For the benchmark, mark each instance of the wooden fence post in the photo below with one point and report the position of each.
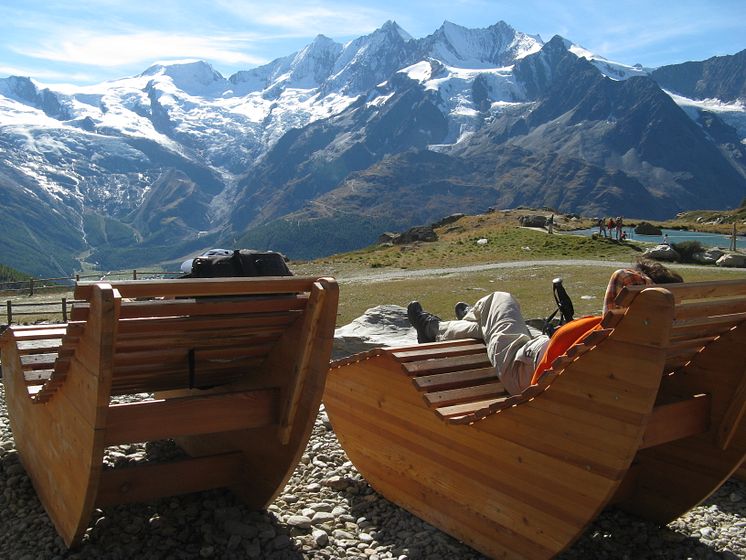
(134, 274)
(31, 287)
(64, 310)
(9, 312)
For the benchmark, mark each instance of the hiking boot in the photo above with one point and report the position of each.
(461, 310)
(426, 324)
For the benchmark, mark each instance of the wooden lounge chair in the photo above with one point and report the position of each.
(646, 413)
(238, 378)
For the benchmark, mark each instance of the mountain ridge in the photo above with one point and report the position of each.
(179, 157)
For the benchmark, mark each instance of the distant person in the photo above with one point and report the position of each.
(550, 224)
(619, 228)
(665, 239)
(610, 226)
(602, 227)
(519, 358)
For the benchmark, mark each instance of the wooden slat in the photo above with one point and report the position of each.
(220, 351)
(231, 339)
(148, 482)
(441, 365)
(689, 290)
(455, 379)
(468, 408)
(307, 336)
(726, 306)
(207, 324)
(195, 287)
(432, 353)
(465, 394)
(717, 326)
(37, 377)
(160, 419)
(210, 306)
(38, 361)
(37, 333)
(677, 420)
(51, 346)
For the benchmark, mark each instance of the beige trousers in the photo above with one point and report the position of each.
(496, 319)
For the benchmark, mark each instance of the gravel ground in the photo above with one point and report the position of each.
(326, 511)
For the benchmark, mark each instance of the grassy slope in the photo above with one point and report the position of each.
(457, 246)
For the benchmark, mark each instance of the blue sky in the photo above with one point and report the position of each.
(90, 41)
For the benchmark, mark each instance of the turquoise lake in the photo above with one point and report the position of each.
(676, 236)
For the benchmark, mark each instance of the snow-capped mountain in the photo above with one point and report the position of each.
(152, 167)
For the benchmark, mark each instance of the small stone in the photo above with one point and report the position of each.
(336, 483)
(322, 517)
(341, 535)
(300, 521)
(320, 537)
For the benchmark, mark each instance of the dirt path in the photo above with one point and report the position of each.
(384, 276)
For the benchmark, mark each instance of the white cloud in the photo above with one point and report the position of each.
(112, 50)
(308, 18)
(46, 74)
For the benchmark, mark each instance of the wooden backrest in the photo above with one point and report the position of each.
(703, 311)
(190, 333)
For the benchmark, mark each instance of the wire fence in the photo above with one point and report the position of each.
(35, 285)
(18, 308)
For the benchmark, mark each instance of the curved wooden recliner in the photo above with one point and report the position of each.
(647, 413)
(238, 376)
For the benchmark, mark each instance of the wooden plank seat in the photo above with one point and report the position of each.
(647, 412)
(237, 365)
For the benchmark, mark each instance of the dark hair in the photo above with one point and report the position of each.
(657, 272)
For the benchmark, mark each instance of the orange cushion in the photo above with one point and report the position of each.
(564, 337)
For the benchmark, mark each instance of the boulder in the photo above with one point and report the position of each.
(533, 221)
(387, 237)
(732, 260)
(710, 256)
(383, 325)
(646, 228)
(417, 233)
(448, 220)
(661, 253)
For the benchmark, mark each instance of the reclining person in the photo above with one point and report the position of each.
(496, 319)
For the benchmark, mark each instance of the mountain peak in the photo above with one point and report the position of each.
(497, 45)
(313, 63)
(187, 75)
(392, 27)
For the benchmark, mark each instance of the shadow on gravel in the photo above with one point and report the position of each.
(204, 525)
(613, 535)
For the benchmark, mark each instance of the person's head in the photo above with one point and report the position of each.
(657, 272)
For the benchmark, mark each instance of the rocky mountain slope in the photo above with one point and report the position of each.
(320, 151)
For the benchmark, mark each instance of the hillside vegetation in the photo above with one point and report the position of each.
(438, 274)
(8, 274)
(366, 280)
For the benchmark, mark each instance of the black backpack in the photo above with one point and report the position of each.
(243, 262)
